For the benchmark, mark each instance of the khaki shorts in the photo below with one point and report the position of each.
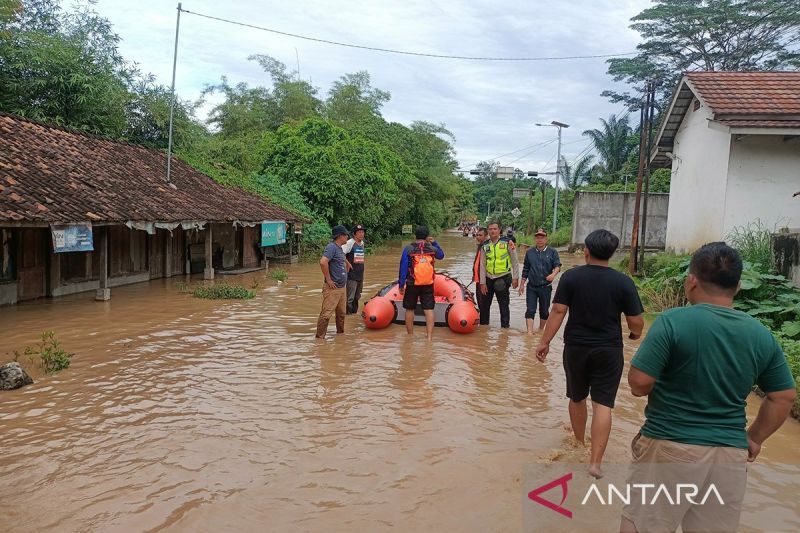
(694, 478)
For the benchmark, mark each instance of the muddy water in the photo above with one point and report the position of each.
(187, 415)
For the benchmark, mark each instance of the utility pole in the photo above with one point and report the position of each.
(558, 175)
(644, 127)
(647, 173)
(172, 102)
(558, 125)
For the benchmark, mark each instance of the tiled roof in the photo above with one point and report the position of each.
(736, 99)
(749, 93)
(755, 123)
(53, 175)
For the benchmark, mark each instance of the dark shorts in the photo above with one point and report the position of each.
(538, 297)
(593, 370)
(423, 293)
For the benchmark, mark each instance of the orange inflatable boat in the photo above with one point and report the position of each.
(455, 307)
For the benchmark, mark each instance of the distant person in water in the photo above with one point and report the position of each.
(697, 366)
(595, 296)
(539, 269)
(355, 251)
(417, 272)
(510, 235)
(480, 238)
(334, 294)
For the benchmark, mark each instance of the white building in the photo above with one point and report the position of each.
(732, 140)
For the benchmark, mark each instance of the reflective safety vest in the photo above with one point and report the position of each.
(498, 257)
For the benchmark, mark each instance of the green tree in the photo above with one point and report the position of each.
(147, 117)
(63, 68)
(345, 178)
(580, 172)
(352, 101)
(296, 99)
(244, 111)
(708, 35)
(611, 143)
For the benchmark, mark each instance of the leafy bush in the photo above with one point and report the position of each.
(663, 289)
(278, 274)
(223, 291)
(770, 298)
(51, 356)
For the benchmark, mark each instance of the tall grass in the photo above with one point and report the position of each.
(753, 241)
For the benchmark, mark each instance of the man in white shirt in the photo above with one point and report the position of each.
(354, 250)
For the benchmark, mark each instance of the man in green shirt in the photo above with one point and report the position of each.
(697, 366)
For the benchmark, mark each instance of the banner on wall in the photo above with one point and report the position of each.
(72, 237)
(273, 233)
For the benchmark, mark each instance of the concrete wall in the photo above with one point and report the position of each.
(786, 250)
(614, 211)
(86, 286)
(8, 293)
(698, 184)
(763, 174)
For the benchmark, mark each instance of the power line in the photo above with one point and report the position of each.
(533, 151)
(404, 52)
(495, 158)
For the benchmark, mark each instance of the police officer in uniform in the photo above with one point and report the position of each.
(499, 272)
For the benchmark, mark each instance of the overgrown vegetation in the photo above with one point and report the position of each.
(278, 274)
(754, 243)
(765, 295)
(48, 354)
(223, 291)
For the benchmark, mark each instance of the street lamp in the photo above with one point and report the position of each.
(559, 125)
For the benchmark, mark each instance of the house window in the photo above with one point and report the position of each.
(696, 105)
(7, 270)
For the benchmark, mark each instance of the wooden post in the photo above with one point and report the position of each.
(168, 259)
(208, 273)
(644, 125)
(647, 174)
(103, 292)
(187, 250)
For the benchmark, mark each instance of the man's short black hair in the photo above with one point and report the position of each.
(601, 244)
(483, 229)
(422, 232)
(717, 264)
(493, 223)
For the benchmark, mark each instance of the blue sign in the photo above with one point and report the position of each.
(273, 233)
(72, 238)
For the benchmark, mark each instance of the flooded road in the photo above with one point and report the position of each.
(183, 414)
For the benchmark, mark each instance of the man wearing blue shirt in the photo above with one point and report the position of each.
(334, 294)
(540, 268)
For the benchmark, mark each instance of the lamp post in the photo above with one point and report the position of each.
(558, 125)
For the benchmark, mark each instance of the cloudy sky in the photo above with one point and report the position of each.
(491, 107)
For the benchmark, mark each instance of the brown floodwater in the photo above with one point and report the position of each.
(183, 414)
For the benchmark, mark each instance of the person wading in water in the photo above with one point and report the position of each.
(499, 271)
(417, 273)
(595, 296)
(354, 250)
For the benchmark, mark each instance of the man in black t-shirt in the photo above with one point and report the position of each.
(595, 296)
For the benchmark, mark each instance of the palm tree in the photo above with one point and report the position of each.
(578, 173)
(611, 143)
